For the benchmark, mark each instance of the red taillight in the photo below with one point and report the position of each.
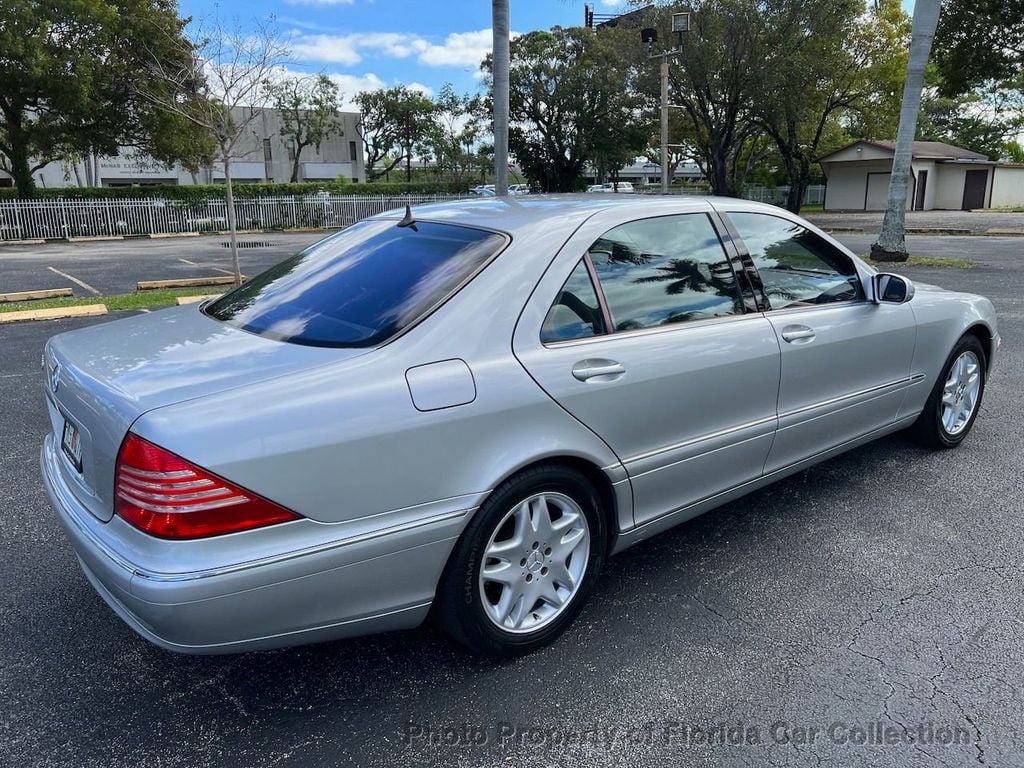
(164, 495)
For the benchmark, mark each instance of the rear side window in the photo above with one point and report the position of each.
(665, 270)
(360, 287)
(576, 312)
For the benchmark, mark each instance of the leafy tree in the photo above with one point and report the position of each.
(453, 133)
(983, 120)
(886, 37)
(812, 74)
(568, 99)
(308, 108)
(979, 41)
(393, 122)
(713, 77)
(66, 74)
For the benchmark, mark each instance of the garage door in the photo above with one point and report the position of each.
(878, 191)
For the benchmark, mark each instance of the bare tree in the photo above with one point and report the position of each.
(891, 244)
(225, 86)
(500, 55)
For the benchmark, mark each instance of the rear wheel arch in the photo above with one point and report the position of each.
(596, 476)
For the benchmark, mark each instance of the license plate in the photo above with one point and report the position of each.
(71, 444)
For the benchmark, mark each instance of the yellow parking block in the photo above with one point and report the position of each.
(187, 282)
(48, 293)
(86, 310)
(193, 299)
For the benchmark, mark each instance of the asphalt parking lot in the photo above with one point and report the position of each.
(880, 590)
(115, 266)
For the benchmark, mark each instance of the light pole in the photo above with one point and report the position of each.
(649, 36)
(500, 63)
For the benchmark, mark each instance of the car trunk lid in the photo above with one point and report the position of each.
(99, 380)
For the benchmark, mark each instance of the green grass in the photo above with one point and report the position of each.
(919, 260)
(816, 208)
(137, 300)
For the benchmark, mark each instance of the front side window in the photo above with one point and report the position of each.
(361, 286)
(797, 267)
(664, 270)
(576, 312)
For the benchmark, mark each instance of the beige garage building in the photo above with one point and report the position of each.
(944, 177)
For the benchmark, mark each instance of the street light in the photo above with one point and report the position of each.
(649, 36)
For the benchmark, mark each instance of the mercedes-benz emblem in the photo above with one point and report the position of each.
(55, 378)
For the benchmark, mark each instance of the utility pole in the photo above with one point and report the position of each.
(664, 123)
(649, 36)
(500, 60)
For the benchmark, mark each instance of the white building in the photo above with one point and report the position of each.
(943, 177)
(265, 155)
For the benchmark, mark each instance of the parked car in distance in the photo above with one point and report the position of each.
(517, 190)
(460, 414)
(623, 187)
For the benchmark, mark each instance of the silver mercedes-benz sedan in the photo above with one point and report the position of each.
(460, 411)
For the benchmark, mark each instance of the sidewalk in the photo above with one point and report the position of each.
(926, 222)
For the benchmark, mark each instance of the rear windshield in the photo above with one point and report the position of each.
(361, 286)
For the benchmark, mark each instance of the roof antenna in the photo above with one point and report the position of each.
(408, 221)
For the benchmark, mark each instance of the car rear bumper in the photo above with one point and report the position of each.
(353, 587)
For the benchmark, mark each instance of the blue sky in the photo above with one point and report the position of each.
(365, 44)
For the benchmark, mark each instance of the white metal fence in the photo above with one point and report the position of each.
(62, 218)
(814, 195)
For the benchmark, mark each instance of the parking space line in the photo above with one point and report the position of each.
(75, 280)
(207, 266)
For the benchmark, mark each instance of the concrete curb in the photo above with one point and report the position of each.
(95, 238)
(34, 241)
(86, 310)
(182, 300)
(46, 293)
(165, 235)
(1010, 231)
(185, 282)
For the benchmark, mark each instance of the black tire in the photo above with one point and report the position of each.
(928, 430)
(459, 609)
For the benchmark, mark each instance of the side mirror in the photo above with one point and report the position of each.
(891, 289)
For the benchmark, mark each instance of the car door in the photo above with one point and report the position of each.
(638, 329)
(845, 360)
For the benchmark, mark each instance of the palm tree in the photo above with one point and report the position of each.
(500, 55)
(891, 245)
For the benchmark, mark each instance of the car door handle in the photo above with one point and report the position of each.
(603, 370)
(798, 333)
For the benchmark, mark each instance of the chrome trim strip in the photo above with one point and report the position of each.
(768, 419)
(766, 479)
(852, 395)
(656, 329)
(700, 439)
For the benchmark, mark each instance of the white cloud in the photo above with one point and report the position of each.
(336, 49)
(611, 3)
(459, 49)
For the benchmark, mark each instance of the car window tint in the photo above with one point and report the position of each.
(576, 312)
(664, 270)
(797, 267)
(361, 286)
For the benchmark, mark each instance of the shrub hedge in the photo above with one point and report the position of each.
(198, 193)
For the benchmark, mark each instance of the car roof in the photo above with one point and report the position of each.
(514, 214)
